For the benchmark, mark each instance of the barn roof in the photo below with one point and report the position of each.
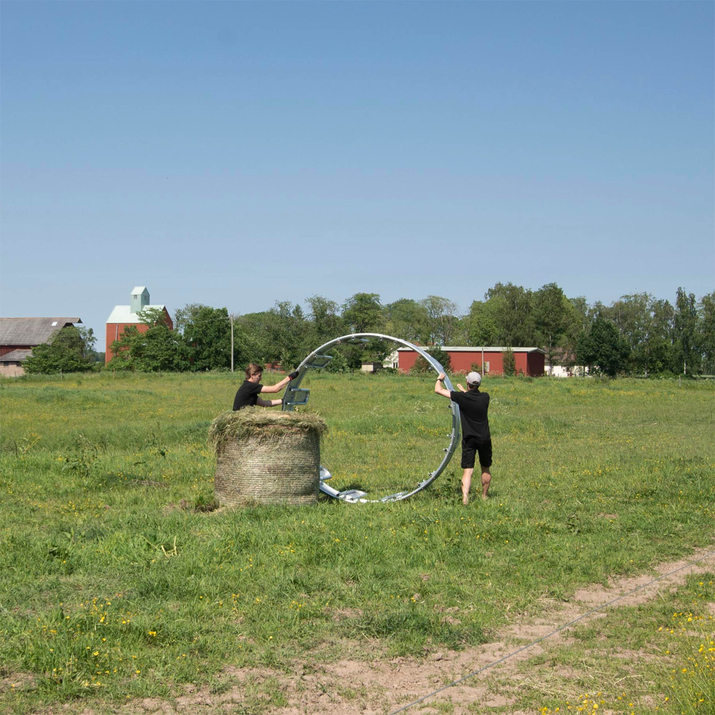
(123, 314)
(31, 331)
(16, 356)
(492, 349)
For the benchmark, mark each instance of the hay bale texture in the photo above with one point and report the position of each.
(266, 457)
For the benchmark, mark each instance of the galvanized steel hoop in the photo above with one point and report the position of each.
(295, 396)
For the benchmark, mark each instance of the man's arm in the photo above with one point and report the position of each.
(439, 388)
(269, 403)
(279, 385)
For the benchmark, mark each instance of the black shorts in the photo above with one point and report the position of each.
(470, 447)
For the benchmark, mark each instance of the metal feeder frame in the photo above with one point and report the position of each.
(296, 396)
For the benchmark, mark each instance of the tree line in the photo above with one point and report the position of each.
(636, 335)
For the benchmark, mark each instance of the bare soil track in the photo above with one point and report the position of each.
(381, 687)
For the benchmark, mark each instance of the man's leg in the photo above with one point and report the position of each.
(486, 481)
(466, 484)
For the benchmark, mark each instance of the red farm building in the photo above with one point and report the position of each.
(124, 315)
(490, 361)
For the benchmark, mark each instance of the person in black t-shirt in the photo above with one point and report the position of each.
(248, 393)
(476, 439)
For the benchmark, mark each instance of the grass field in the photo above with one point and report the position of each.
(117, 581)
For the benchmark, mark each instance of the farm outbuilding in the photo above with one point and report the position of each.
(488, 360)
(125, 315)
(19, 335)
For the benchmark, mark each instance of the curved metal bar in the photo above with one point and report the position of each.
(295, 396)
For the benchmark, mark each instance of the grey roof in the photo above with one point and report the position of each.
(31, 331)
(123, 314)
(491, 349)
(16, 356)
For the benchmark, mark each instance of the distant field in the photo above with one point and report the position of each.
(115, 583)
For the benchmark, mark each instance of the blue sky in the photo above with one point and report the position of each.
(242, 153)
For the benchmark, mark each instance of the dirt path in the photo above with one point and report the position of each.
(357, 688)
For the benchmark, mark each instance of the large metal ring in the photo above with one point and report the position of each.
(295, 395)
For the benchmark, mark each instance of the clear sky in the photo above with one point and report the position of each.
(241, 153)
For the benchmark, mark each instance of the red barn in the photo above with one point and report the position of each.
(125, 315)
(490, 361)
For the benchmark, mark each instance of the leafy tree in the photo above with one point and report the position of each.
(158, 349)
(509, 363)
(255, 342)
(71, 350)
(511, 308)
(153, 317)
(325, 322)
(646, 324)
(603, 348)
(407, 319)
(421, 365)
(550, 315)
(286, 334)
(706, 332)
(363, 313)
(577, 322)
(186, 315)
(207, 334)
(441, 319)
(482, 328)
(685, 326)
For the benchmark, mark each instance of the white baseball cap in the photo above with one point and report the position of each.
(474, 378)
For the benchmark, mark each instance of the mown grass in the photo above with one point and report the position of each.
(117, 582)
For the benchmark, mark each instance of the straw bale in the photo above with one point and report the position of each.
(266, 457)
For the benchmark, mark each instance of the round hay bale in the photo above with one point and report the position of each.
(266, 457)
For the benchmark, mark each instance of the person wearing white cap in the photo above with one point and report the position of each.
(476, 439)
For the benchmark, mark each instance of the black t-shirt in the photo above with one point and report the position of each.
(247, 395)
(473, 409)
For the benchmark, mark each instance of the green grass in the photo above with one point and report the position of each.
(655, 657)
(116, 581)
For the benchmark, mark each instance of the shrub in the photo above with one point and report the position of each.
(421, 365)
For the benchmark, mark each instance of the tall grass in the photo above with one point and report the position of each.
(117, 581)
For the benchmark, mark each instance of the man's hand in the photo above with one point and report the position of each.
(294, 374)
(460, 388)
(439, 388)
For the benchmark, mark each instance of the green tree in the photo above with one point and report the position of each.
(442, 319)
(706, 332)
(71, 350)
(511, 307)
(482, 328)
(207, 334)
(550, 315)
(577, 322)
(684, 328)
(509, 363)
(324, 321)
(363, 313)
(286, 327)
(603, 348)
(443, 358)
(158, 349)
(407, 319)
(252, 331)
